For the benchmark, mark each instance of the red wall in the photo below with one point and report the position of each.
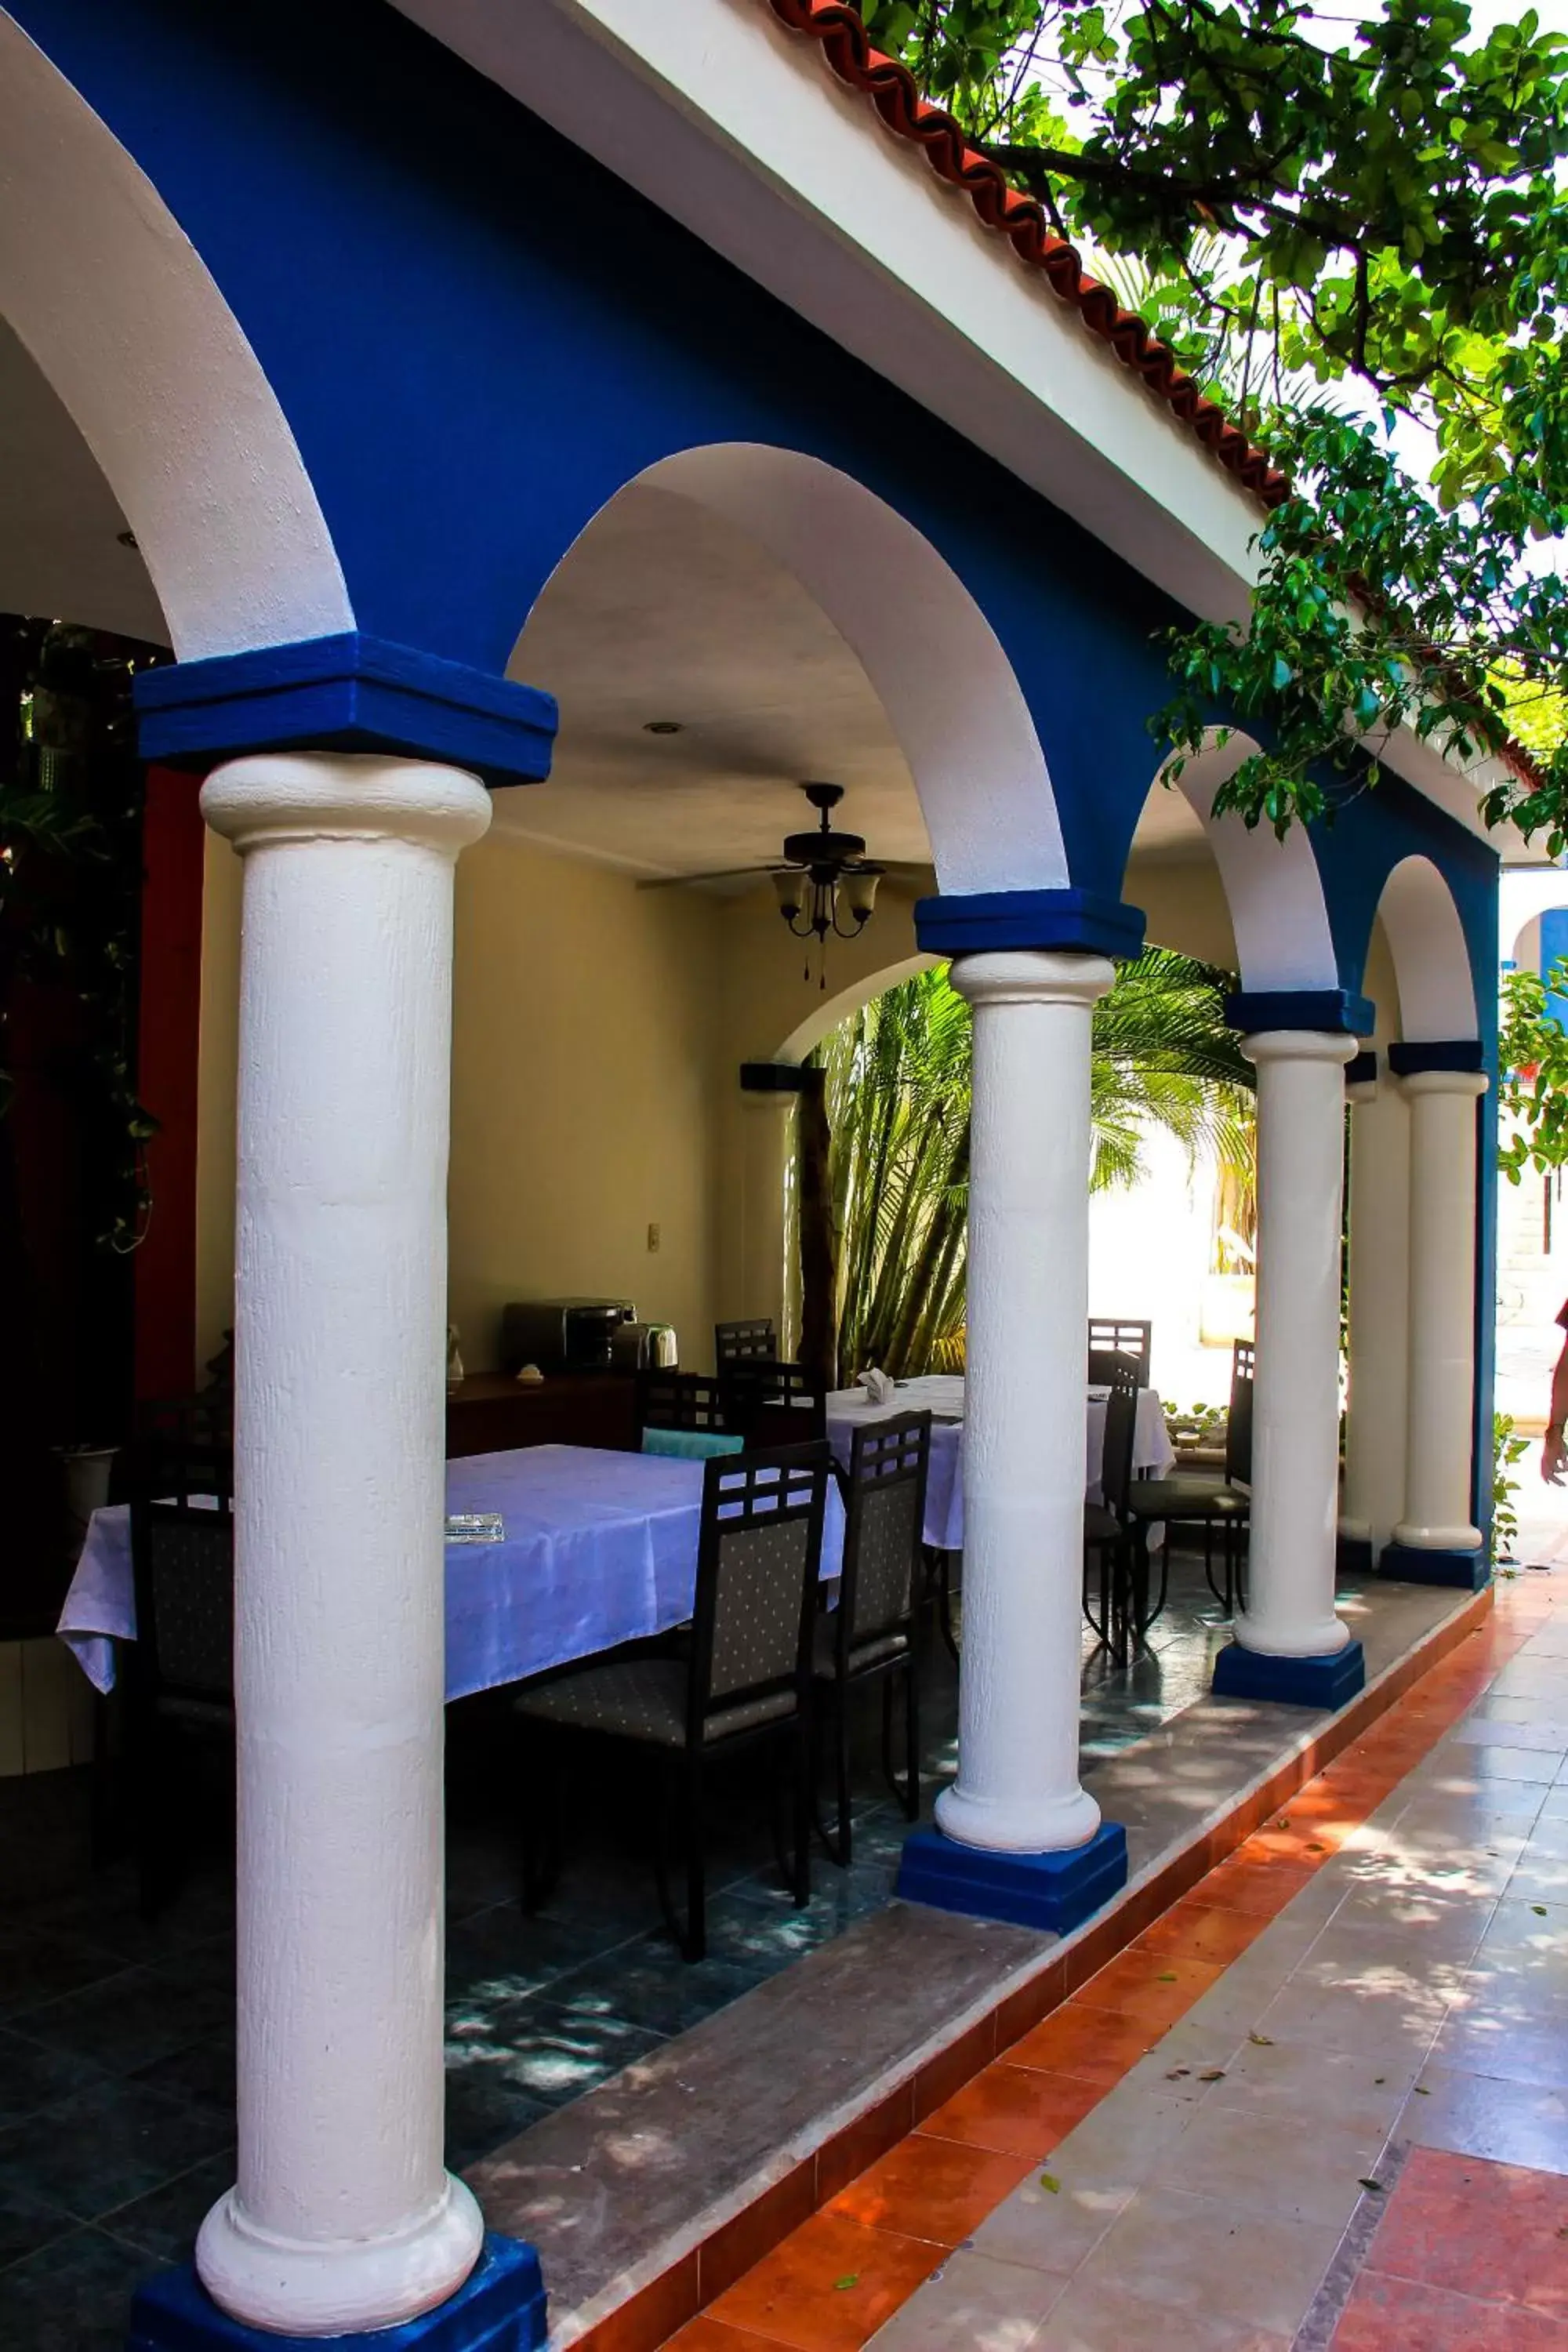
(169, 1028)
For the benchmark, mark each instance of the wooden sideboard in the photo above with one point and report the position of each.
(491, 1412)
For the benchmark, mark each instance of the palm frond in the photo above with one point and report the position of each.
(898, 1083)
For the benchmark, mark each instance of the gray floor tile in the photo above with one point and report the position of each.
(163, 2224)
(89, 2154)
(73, 2296)
(1486, 2116)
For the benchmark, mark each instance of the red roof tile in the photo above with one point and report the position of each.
(894, 92)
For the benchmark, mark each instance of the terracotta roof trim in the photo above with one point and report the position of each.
(893, 91)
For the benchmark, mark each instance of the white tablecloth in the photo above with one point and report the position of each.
(600, 1548)
(943, 1393)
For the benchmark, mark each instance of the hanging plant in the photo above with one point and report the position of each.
(70, 884)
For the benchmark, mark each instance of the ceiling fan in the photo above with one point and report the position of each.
(824, 873)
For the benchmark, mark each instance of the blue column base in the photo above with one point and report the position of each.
(1352, 1556)
(1329, 1682)
(1052, 1892)
(1467, 1571)
(498, 2309)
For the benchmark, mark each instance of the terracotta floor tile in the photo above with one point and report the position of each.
(1496, 2231)
(1095, 2045)
(1200, 1931)
(930, 2187)
(1158, 1986)
(1391, 2315)
(707, 2335)
(1017, 2110)
(828, 2287)
(1253, 1883)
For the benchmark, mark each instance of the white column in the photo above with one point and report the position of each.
(1379, 1269)
(1442, 1369)
(343, 2217)
(1290, 1611)
(1018, 1789)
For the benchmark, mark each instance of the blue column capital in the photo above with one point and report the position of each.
(983, 922)
(345, 693)
(1335, 1010)
(1460, 1054)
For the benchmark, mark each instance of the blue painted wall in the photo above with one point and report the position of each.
(1553, 952)
(479, 336)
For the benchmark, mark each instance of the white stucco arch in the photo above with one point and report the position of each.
(1272, 887)
(1431, 959)
(105, 292)
(930, 655)
(827, 1012)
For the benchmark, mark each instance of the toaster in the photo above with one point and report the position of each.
(644, 1348)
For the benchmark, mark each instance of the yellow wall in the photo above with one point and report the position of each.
(1185, 901)
(598, 1031)
(582, 1071)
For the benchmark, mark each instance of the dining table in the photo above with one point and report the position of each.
(942, 1395)
(597, 1548)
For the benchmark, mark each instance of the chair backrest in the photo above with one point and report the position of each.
(1238, 1422)
(1120, 1431)
(182, 1554)
(775, 1403)
(1117, 1334)
(752, 1341)
(759, 1554)
(680, 1401)
(884, 1520)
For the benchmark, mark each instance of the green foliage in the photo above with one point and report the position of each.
(1532, 1096)
(1508, 1449)
(1372, 204)
(70, 886)
(898, 1077)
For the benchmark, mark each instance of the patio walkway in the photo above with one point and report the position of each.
(1323, 2101)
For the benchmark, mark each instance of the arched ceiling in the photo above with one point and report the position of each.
(665, 611)
(61, 552)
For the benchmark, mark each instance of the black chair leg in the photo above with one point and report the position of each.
(912, 1738)
(541, 1826)
(694, 1943)
(841, 1847)
(805, 1748)
(157, 1802)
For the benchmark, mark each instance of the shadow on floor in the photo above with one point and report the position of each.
(116, 2035)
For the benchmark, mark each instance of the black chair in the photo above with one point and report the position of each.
(684, 1413)
(1217, 1502)
(773, 1404)
(746, 1677)
(1112, 1335)
(1109, 1536)
(752, 1341)
(871, 1635)
(180, 1668)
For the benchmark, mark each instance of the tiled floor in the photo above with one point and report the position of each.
(116, 2037)
(1323, 2102)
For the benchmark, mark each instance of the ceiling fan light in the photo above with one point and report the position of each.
(790, 887)
(858, 892)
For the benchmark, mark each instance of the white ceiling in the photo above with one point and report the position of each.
(59, 548)
(665, 611)
(662, 611)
